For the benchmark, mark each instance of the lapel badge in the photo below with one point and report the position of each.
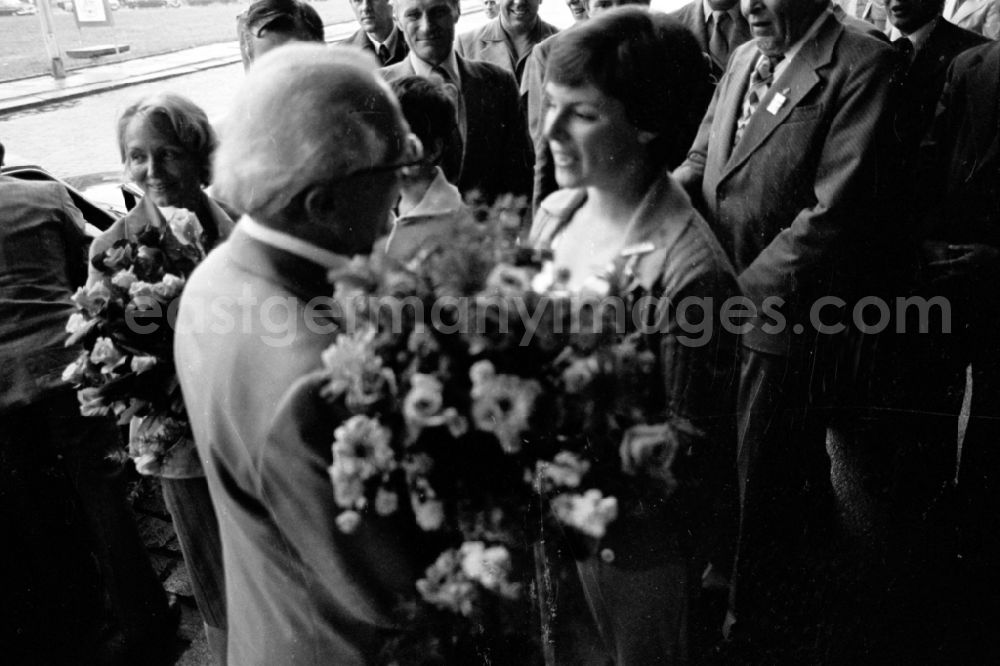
(777, 102)
(637, 249)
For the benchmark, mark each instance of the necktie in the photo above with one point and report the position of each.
(904, 47)
(760, 81)
(718, 43)
(383, 54)
(453, 92)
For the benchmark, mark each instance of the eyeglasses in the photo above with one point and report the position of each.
(413, 152)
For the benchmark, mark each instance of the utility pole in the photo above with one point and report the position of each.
(49, 35)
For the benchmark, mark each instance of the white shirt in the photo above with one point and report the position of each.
(734, 12)
(919, 36)
(389, 43)
(292, 245)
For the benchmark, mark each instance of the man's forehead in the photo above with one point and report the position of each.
(403, 5)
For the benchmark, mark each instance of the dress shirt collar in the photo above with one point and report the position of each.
(797, 46)
(292, 245)
(425, 69)
(920, 36)
(734, 11)
(440, 198)
(390, 41)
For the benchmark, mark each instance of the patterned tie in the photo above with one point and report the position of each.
(383, 54)
(760, 81)
(718, 43)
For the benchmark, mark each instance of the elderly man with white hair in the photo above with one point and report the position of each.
(309, 155)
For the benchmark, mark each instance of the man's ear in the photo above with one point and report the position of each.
(432, 153)
(319, 203)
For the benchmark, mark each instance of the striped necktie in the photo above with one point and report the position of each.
(760, 81)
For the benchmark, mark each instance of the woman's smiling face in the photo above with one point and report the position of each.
(154, 160)
(590, 136)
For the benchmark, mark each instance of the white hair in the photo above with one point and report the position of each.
(306, 114)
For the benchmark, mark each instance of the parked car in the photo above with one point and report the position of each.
(136, 4)
(16, 8)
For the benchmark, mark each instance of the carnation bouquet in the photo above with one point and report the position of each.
(124, 322)
(496, 408)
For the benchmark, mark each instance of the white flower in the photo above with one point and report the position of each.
(74, 372)
(428, 512)
(590, 513)
(566, 470)
(147, 464)
(92, 299)
(386, 502)
(141, 364)
(124, 279)
(490, 567)
(105, 353)
(169, 287)
(348, 521)
(183, 224)
(481, 372)
(361, 451)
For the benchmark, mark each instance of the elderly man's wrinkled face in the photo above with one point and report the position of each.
(778, 24)
(429, 27)
(519, 15)
(374, 16)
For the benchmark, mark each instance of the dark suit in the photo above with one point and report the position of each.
(360, 40)
(692, 15)
(44, 439)
(920, 82)
(490, 44)
(792, 205)
(964, 147)
(298, 590)
(497, 154)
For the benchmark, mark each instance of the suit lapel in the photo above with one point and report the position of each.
(493, 47)
(731, 103)
(797, 81)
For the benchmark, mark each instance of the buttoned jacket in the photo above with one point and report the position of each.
(792, 202)
(490, 43)
(497, 157)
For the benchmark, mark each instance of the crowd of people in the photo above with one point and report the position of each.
(833, 166)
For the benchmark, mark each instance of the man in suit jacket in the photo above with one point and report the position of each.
(927, 47)
(872, 11)
(378, 33)
(316, 181)
(962, 249)
(54, 462)
(982, 16)
(496, 153)
(267, 24)
(718, 26)
(507, 40)
(786, 165)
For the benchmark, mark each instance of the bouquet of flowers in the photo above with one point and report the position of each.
(491, 404)
(124, 322)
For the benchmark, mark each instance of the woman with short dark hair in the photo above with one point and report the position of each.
(620, 114)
